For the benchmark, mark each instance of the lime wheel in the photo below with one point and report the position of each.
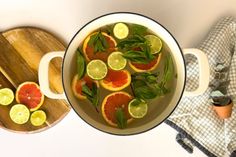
(110, 105)
(29, 94)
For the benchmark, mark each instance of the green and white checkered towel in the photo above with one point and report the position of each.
(194, 117)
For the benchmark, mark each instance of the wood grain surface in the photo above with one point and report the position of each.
(20, 52)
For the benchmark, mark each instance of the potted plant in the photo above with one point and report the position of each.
(222, 104)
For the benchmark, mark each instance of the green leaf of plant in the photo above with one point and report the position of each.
(145, 92)
(91, 94)
(143, 55)
(138, 29)
(86, 91)
(81, 64)
(121, 118)
(98, 42)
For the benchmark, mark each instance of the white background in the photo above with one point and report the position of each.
(188, 20)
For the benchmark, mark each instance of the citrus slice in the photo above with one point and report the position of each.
(137, 108)
(155, 43)
(6, 96)
(77, 85)
(116, 61)
(111, 103)
(116, 80)
(138, 67)
(89, 52)
(37, 118)
(97, 69)
(120, 30)
(19, 114)
(29, 94)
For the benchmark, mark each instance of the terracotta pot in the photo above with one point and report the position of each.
(224, 112)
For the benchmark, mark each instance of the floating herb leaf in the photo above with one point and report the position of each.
(136, 49)
(138, 29)
(91, 94)
(121, 118)
(168, 70)
(131, 42)
(98, 42)
(81, 64)
(146, 86)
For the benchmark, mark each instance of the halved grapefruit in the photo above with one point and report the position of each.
(29, 94)
(77, 85)
(111, 103)
(89, 50)
(116, 80)
(146, 67)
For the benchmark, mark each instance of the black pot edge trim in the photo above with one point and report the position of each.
(189, 137)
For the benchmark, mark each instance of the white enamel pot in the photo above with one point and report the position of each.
(160, 113)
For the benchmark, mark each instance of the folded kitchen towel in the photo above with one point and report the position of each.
(194, 118)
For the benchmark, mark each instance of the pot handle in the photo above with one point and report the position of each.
(204, 71)
(43, 74)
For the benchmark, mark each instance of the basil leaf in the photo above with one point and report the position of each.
(121, 118)
(81, 64)
(131, 41)
(91, 94)
(138, 29)
(86, 91)
(145, 92)
(95, 95)
(98, 42)
(168, 70)
(143, 55)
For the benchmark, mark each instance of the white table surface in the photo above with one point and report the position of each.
(188, 20)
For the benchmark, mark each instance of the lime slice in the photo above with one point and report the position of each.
(137, 108)
(155, 43)
(38, 118)
(121, 30)
(6, 96)
(116, 61)
(19, 114)
(97, 69)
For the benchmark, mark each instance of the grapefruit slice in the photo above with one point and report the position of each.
(116, 80)
(77, 85)
(146, 67)
(89, 50)
(111, 103)
(29, 94)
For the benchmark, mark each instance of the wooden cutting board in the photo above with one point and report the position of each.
(20, 52)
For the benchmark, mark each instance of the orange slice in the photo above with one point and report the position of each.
(116, 80)
(77, 85)
(146, 67)
(29, 94)
(111, 103)
(89, 51)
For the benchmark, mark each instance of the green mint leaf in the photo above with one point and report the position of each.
(98, 42)
(86, 91)
(91, 94)
(145, 92)
(168, 70)
(95, 93)
(121, 118)
(81, 64)
(138, 29)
